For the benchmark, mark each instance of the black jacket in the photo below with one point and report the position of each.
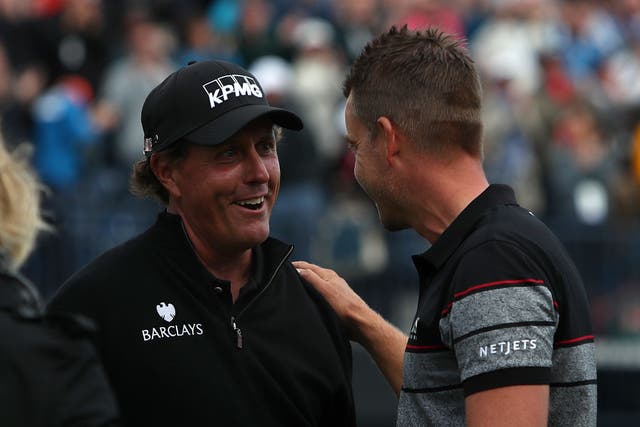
(179, 353)
(49, 371)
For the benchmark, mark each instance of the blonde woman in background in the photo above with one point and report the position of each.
(49, 373)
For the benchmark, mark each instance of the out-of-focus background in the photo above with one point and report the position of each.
(561, 109)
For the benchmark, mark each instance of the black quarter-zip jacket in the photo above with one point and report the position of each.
(178, 352)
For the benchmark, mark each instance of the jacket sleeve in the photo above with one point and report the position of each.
(85, 396)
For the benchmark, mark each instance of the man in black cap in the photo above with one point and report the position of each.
(202, 318)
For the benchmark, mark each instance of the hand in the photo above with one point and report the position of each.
(384, 342)
(345, 302)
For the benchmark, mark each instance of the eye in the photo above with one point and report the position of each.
(267, 145)
(228, 152)
(352, 145)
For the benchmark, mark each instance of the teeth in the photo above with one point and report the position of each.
(255, 201)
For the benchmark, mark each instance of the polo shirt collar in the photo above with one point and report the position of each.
(453, 236)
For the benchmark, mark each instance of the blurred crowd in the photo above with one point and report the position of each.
(562, 121)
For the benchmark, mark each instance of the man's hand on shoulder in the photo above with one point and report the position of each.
(380, 338)
(349, 307)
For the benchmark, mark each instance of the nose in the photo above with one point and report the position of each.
(257, 171)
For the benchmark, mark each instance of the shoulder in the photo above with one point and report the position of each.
(44, 340)
(328, 315)
(507, 250)
(513, 237)
(512, 231)
(109, 275)
(509, 223)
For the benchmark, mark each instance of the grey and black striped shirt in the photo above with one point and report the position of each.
(501, 303)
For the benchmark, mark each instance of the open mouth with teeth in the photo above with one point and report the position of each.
(253, 204)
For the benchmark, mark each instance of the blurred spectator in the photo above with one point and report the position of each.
(202, 42)
(627, 15)
(224, 15)
(421, 14)
(509, 154)
(16, 18)
(64, 126)
(474, 13)
(620, 73)
(301, 192)
(582, 168)
(538, 114)
(130, 78)
(318, 70)
(587, 35)
(324, 9)
(358, 22)
(18, 89)
(508, 44)
(73, 41)
(256, 32)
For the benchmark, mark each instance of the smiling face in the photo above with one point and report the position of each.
(225, 193)
(371, 169)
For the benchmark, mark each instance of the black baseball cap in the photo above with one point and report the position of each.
(206, 103)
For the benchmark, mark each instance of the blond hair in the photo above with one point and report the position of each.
(20, 193)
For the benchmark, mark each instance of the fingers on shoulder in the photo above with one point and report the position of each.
(303, 265)
(307, 265)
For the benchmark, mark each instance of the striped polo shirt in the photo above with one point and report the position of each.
(500, 304)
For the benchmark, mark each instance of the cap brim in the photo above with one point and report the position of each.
(223, 128)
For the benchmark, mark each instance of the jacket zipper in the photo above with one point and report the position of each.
(234, 319)
(238, 332)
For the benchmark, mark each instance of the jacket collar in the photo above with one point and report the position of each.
(171, 236)
(16, 292)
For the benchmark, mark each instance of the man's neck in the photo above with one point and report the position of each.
(450, 188)
(232, 265)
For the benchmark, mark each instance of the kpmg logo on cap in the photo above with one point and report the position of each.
(236, 85)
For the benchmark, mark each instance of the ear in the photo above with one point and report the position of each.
(390, 135)
(164, 170)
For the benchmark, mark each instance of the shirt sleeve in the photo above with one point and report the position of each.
(500, 320)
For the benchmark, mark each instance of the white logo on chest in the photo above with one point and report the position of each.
(166, 311)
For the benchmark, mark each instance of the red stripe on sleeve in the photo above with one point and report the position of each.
(425, 347)
(490, 284)
(575, 340)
